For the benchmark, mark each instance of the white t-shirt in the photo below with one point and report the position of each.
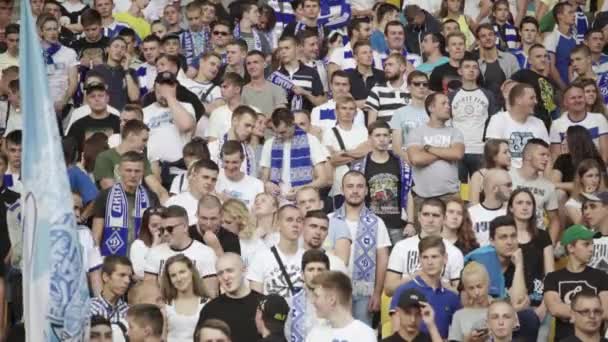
(186, 201)
(249, 248)
(596, 124)
(166, 141)
(318, 154)
(202, 256)
(337, 57)
(244, 190)
(355, 331)
(58, 72)
(404, 259)
(14, 122)
(264, 269)
(199, 89)
(81, 112)
(215, 152)
(220, 121)
(137, 254)
(382, 240)
(502, 126)
(481, 218)
(324, 116)
(91, 257)
(352, 138)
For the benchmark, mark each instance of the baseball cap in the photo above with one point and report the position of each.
(165, 77)
(601, 196)
(578, 232)
(94, 86)
(274, 307)
(410, 298)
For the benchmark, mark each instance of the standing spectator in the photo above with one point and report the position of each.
(501, 321)
(193, 40)
(260, 93)
(220, 118)
(593, 39)
(204, 86)
(310, 44)
(497, 191)
(333, 294)
(595, 216)
(560, 286)
(395, 39)
(101, 329)
(248, 18)
(270, 318)
(307, 21)
(146, 72)
(587, 312)
(388, 178)
(208, 227)
(235, 297)
(236, 51)
(387, 97)
(116, 273)
(232, 181)
(324, 115)
(529, 35)
(314, 234)
(472, 107)
(413, 309)
(433, 150)
(359, 29)
(560, 42)
(92, 33)
(582, 67)
(11, 56)
(385, 13)
(110, 26)
(183, 292)
(457, 226)
(507, 35)
(145, 322)
(13, 147)
(419, 21)
(445, 77)
(518, 125)
(53, 8)
(292, 158)
(364, 76)
(371, 242)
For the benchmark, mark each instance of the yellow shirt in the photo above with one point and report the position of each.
(464, 28)
(139, 25)
(7, 60)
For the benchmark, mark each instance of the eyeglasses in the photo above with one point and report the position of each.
(420, 84)
(168, 229)
(589, 312)
(221, 33)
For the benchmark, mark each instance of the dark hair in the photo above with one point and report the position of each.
(484, 26)
(241, 43)
(15, 137)
(355, 24)
(437, 38)
(207, 164)
(176, 211)
(282, 115)
(358, 45)
(13, 85)
(339, 73)
(583, 294)
(148, 315)
(231, 147)
(70, 152)
(465, 235)
(581, 48)
(90, 17)
(378, 124)
(517, 91)
(214, 324)
(271, 17)
(531, 224)
(170, 58)
(290, 38)
(532, 143)
(14, 29)
(145, 235)
(132, 157)
(197, 147)
(415, 74)
(305, 34)
(429, 101)
(558, 9)
(92, 147)
(490, 151)
(318, 214)
(127, 32)
(581, 146)
(535, 46)
(111, 261)
(528, 20)
(234, 79)
(222, 22)
(314, 255)
(100, 320)
(255, 53)
(468, 57)
(151, 38)
(133, 127)
(429, 242)
(45, 17)
(391, 24)
(501, 221)
(598, 106)
(587, 35)
(433, 202)
(448, 21)
(354, 173)
(384, 9)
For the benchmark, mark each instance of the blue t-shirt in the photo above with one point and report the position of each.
(443, 301)
(560, 46)
(82, 184)
(378, 42)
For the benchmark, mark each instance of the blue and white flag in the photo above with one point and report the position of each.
(54, 281)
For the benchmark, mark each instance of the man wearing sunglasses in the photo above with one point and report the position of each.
(471, 108)
(587, 315)
(174, 230)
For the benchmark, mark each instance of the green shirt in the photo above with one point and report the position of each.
(106, 166)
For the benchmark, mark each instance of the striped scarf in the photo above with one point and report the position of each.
(365, 244)
(412, 58)
(298, 316)
(115, 239)
(328, 17)
(300, 26)
(602, 84)
(582, 25)
(257, 41)
(146, 73)
(300, 164)
(507, 41)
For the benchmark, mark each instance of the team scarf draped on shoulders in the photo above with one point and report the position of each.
(300, 166)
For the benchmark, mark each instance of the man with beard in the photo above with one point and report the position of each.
(370, 243)
(387, 97)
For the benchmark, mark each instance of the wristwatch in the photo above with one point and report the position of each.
(426, 148)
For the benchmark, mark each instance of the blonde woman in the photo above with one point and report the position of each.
(265, 208)
(183, 292)
(236, 218)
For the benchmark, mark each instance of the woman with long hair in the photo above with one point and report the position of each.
(496, 155)
(148, 237)
(237, 219)
(182, 290)
(593, 97)
(475, 283)
(265, 208)
(587, 180)
(535, 244)
(457, 226)
(92, 147)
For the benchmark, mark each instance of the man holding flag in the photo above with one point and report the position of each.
(54, 282)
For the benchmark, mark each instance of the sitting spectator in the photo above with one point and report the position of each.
(587, 181)
(232, 182)
(587, 314)
(149, 237)
(146, 322)
(270, 318)
(413, 309)
(116, 273)
(208, 229)
(496, 155)
(213, 330)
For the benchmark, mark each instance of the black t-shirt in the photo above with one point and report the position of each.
(116, 80)
(493, 77)
(239, 314)
(384, 184)
(183, 95)
(86, 126)
(290, 30)
(545, 90)
(445, 78)
(228, 240)
(567, 284)
(360, 87)
(534, 267)
(83, 44)
(573, 338)
(308, 79)
(7, 198)
(421, 337)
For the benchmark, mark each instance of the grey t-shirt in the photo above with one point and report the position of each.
(544, 193)
(407, 118)
(463, 322)
(441, 176)
(266, 99)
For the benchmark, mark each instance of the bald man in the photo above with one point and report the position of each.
(497, 188)
(236, 297)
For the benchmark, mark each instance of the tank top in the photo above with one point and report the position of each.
(180, 328)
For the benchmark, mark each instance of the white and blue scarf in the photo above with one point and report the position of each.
(364, 258)
(328, 18)
(257, 41)
(246, 150)
(509, 40)
(115, 239)
(300, 26)
(414, 59)
(300, 169)
(49, 52)
(522, 59)
(602, 84)
(582, 25)
(283, 81)
(298, 317)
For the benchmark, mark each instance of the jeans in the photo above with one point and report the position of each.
(467, 166)
(360, 311)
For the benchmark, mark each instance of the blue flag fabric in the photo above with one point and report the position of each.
(54, 281)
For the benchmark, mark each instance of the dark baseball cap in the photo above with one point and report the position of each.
(166, 77)
(94, 86)
(601, 196)
(274, 307)
(411, 298)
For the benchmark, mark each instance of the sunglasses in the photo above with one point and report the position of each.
(221, 33)
(420, 84)
(168, 229)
